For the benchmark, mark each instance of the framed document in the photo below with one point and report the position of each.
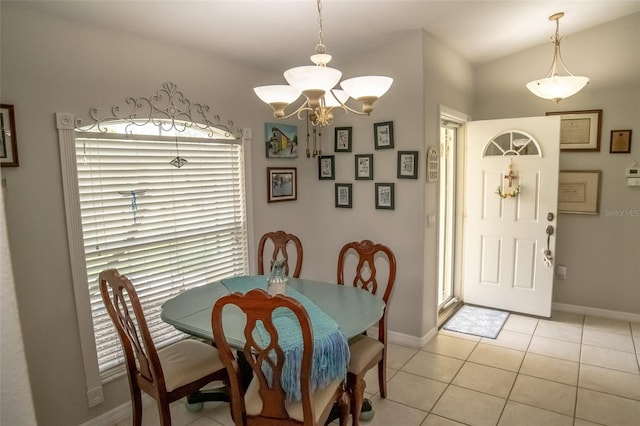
(579, 191)
(620, 142)
(580, 130)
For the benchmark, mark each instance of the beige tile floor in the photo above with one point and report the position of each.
(569, 370)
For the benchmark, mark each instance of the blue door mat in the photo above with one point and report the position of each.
(483, 322)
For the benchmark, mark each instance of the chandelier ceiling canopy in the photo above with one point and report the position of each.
(317, 83)
(555, 86)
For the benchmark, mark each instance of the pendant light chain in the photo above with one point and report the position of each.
(320, 48)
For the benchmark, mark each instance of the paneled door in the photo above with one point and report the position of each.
(511, 194)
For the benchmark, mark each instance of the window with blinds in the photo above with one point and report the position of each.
(167, 228)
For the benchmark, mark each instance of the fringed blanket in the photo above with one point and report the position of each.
(330, 346)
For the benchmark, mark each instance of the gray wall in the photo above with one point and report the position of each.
(600, 252)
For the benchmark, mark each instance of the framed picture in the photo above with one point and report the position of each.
(383, 134)
(326, 167)
(407, 164)
(580, 130)
(8, 138)
(282, 184)
(620, 142)
(364, 167)
(385, 196)
(579, 191)
(281, 140)
(343, 195)
(343, 139)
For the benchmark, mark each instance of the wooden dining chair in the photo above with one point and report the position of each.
(264, 401)
(281, 242)
(367, 351)
(168, 374)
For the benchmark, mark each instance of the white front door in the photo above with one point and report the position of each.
(506, 236)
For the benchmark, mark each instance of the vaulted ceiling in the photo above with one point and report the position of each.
(274, 34)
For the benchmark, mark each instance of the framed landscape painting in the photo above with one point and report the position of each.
(281, 140)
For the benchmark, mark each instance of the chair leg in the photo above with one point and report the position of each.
(136, 406)
(356, 387)
(382, 378)
(165, 413)
(345, 408)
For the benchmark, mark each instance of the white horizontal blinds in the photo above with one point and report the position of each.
(168, 229)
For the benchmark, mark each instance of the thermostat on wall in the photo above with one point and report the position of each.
(633, 176)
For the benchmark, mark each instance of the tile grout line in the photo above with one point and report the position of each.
(575, 403)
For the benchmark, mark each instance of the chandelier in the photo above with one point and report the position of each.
(317, 84)
(554, 86)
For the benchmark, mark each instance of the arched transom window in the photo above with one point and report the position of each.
(512, 142)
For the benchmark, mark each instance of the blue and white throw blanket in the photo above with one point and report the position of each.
(330, 345)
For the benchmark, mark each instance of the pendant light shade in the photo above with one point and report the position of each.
(554, 86)
(557, 87)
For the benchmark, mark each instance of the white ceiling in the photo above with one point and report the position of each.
(274, 34)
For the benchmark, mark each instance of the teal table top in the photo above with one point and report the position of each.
(354, 309)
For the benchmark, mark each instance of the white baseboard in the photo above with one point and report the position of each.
(118, 414)
(597, 312)
(405, 339)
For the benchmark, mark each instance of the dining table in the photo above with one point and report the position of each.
(354, 310)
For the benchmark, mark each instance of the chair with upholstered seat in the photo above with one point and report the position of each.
(367, 351)
(281, 242)
(167, 374)
(265, 401)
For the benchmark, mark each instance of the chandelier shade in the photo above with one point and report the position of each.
(335, 98)
(277, 93)
(312, 77)
(555, 86)
(372, 85)
(318, 85)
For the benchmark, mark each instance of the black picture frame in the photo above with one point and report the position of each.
(407, 164)
(343, 139)
(385, 196)
(326, 167)
(364, 167)
(620, 142)
(282, 184)
(383, 135)
(8, 137)
(344, 195)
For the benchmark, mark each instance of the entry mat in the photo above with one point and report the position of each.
(483, 322)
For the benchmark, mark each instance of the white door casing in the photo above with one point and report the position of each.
(505, 238)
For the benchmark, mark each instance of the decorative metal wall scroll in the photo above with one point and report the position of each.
(168, 109)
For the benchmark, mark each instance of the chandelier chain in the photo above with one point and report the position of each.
(320, 48)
